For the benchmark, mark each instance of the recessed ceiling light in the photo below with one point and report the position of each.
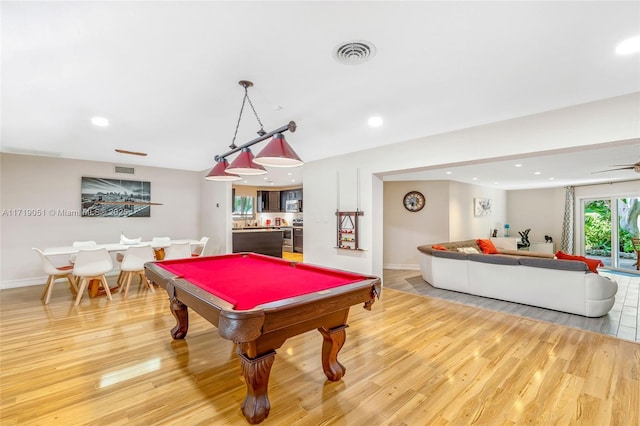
(518, 165)
(265, 178)
(99, 121)
(551, 178)
(475, 178)
(448, 173)
(375, 121)
(293, 180)
(289, 174)
(496, 183)
(628, 46)
(537, 173)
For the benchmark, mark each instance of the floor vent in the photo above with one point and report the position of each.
(125, 170)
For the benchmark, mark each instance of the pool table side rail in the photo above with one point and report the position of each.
(247, 325)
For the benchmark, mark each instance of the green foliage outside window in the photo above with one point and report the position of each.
(597, 226)
(243, 207)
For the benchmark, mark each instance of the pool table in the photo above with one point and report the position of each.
(258, 302)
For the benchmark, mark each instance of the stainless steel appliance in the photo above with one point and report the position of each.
(287, 238)
(294, 206)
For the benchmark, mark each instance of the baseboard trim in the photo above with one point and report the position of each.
(402, 266)
(27, 282)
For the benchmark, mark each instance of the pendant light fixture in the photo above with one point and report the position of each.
(277, 153)
(219, 172)
(244, 164)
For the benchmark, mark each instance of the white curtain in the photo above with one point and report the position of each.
(566, 244)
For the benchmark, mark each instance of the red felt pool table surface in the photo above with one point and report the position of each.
(249, 280)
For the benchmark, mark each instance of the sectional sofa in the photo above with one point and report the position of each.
(535, 279)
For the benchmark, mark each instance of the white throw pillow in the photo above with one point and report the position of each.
(468, 250)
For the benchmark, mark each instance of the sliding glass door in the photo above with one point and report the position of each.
(607, 229)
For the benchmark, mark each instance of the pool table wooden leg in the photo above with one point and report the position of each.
(181, 314)
(333, 340)
(255, 406)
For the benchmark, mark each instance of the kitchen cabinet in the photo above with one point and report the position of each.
(268, 201)
(290, 195)
(297, 240)
(263, 241)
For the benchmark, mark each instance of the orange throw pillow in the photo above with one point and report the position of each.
(439, 247)
(592, 264)
(487, 246)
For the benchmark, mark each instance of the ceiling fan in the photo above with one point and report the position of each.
(635, 167)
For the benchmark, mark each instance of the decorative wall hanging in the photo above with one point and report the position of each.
(348, 230)
(482, 206)
(115, 198)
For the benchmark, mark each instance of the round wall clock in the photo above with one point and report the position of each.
(413, 201)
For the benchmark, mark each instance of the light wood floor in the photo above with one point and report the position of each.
(412, 360)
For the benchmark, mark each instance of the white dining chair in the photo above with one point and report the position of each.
(209, 248)
(160, 242)
(178, 251)
(92, 265)
(54, 273)
(80, 244)
(197, 251)
(133, 264)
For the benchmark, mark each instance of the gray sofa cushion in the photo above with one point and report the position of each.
(565, 265)
(450, 254)
(451, 246)
(495, 259)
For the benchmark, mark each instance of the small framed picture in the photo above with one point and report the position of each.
(482, 206)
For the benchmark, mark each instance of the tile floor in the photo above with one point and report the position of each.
(623, 321)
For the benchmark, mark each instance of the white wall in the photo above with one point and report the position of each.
(215, 217)
(463, 224)
(541, 210)
(447, 216)
(31, 182)
(593, 123)
(405, 230)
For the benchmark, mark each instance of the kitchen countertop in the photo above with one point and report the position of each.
(257, 229)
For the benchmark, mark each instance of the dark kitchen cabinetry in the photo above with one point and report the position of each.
(268, 242)
(297, 240)
(268, 201)
(291, 195)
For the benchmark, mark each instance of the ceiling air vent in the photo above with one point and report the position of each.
(125, 170)
(354, 52)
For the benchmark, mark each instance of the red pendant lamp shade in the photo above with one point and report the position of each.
(244, 164)
(278, 153)
(218, 173)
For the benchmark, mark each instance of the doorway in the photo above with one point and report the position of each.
(607, 228)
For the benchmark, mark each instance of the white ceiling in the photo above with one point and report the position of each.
(166, 75)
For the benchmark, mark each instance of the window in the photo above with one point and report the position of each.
(242, 207)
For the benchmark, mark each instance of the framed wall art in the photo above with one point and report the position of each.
(482, 206)
(115, 198)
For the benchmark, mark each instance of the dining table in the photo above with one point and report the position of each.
(94, 286)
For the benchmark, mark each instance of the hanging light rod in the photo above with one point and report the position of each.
(277, 153)
(290, 127)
